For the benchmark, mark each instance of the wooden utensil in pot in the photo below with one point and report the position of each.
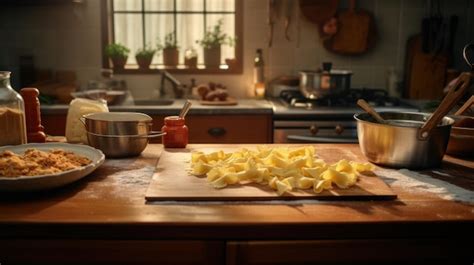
(356, 32)
(461, 140)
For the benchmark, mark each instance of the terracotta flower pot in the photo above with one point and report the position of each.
(144, 62)
(170, 57)
(212, 57)
(190, 62)
(119, 62)
(232, 63)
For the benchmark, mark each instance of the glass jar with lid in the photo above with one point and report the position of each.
(12, 113)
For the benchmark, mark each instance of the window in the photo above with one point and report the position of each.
(141, 23)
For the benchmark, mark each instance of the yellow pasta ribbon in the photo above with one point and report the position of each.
(281, 168)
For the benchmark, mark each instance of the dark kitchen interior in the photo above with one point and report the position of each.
(236, 131)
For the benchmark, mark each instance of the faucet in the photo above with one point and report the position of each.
(178, 88)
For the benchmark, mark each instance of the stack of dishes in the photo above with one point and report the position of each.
(119, 134)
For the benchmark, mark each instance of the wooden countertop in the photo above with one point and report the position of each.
(104, 218)
(111, 199)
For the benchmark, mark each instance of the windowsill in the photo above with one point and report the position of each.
(181, 69)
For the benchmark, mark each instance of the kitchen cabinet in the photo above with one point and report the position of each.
(104, 219)
(96, 251)
(223, 128)
(347, 251)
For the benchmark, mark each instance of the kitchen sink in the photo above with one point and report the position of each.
(154, 102)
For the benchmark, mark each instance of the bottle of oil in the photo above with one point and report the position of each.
(12, 113)
(259, 75)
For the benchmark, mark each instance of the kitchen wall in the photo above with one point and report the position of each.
(68, 37)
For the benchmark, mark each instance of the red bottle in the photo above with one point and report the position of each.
(34, 129)
(177, 132)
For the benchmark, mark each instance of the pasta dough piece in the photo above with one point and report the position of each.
(281, 168)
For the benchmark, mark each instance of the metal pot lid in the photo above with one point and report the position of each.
(119, 117)
(332, 72)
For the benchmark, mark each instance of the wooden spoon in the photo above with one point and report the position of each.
(185, 109)
(465, 107)
(453, 96)
(365, 106)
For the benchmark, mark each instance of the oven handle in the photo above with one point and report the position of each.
(321, 139)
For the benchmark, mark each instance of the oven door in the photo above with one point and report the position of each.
(314, 132)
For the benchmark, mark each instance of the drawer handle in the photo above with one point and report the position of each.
(216, 131)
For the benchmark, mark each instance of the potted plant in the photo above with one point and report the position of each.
(118, 53)
(211, 44)
(144, 57)
(170, 50)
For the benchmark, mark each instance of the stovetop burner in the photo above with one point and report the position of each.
(375, 97)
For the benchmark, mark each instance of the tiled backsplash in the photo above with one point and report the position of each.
(68, 37)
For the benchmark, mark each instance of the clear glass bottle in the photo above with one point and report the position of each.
(259, 75)
(12, 113)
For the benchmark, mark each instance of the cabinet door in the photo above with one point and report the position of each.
(364, 251)
(65, 251)
(230, 128)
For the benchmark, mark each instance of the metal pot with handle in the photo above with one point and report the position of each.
(322, 83)
(411, 140)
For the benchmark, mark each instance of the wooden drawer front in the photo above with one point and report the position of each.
(111, 252)
(370, 251)
(230, 128)
(202, 128)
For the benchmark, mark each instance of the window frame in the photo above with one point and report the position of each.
(107, 27)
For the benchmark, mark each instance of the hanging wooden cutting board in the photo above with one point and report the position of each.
(318, 11)
(173, 182)
(425, 72)
(356, 32)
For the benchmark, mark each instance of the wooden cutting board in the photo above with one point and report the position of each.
(356, 32)
(172, 181)
(425, 72)
(228, 102)
(318, 11)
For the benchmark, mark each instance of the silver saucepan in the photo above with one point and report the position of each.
(322, 83)
(396, 145)
(410, 140)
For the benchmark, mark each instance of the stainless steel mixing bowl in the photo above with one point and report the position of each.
(119, 134)
(118, 123)
(115, 146)
(397, 145)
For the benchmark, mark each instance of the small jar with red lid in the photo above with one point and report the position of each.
(177, 132)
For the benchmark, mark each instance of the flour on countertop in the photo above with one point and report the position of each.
(130, 171)
(416, 182)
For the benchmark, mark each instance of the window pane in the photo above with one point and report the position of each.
(127, 5)
(190, 28)
(156, 27)
(189, 5)
(128, 31)
(159, 5)
(222, 5)
(227, 27)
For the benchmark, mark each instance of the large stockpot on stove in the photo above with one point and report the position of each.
(321, 83)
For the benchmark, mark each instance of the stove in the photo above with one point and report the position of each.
(375, 97)
(329, 119)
